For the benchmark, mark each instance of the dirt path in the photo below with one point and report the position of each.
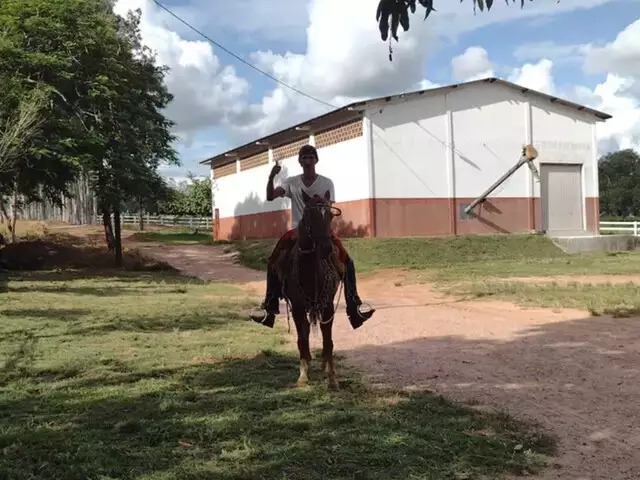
(202, 261)
(576, 375)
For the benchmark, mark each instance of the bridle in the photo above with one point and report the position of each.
(335, 212)
(322, 294)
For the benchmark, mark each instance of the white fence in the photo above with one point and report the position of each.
(632, 228)
(165, 221)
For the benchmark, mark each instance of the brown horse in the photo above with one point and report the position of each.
(312, 276)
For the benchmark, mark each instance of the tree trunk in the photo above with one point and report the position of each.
(118, 237)
(108, 231)
(141, 218)
(14, 213)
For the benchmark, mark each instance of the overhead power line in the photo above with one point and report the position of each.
(286, 85)
(222, 47)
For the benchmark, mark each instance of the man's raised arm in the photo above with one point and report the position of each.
(273, 193)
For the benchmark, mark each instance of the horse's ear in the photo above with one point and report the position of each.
(305, 197)
(327, 195)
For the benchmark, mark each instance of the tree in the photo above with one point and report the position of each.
(39, 52)
(106, 119)
(619, 182)
(27, 161)
(198, 198)
(132, 132)
(17, 128)
(150, 197)
(391, 14)
(192, 199)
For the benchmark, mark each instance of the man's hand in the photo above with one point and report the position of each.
(273, 193)
(275, 170)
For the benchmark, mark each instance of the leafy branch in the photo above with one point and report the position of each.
(21, 126)
(392, 14)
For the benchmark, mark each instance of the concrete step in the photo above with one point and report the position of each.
(596, 243)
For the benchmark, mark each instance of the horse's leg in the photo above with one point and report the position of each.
(326, 326)
(303, 329)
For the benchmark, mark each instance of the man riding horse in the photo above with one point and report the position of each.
(310, 184)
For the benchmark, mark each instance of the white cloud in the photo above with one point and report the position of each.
(206, 92)
(612, 96)
(621, 56)
(536, 76)
(338, 58)
(345, 61)
(473, 64)
(619, 93)
(426, 84)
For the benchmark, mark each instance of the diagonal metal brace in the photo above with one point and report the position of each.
(529, 154)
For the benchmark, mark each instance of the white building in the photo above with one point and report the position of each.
(408, 165)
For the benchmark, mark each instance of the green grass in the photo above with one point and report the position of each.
(422, 253)
(173, 237)
(154, 377)
(618, 300)
(455, 258)
(614, 263)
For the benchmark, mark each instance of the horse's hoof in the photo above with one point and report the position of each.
(333, 385)
(302, 383)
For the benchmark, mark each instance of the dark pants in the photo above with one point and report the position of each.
(274, 294)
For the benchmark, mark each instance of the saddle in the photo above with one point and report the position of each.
(282, 256)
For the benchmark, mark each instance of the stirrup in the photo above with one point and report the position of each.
(255, 316)
(359, 308)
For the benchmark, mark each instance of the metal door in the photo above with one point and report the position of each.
(561, 197)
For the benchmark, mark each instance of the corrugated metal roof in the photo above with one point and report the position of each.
(354, 111)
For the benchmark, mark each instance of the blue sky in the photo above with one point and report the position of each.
(569, 28)
(332, 50)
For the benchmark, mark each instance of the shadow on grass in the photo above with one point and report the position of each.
(57, 314)
(242, 419)
(103, 291)
(194, 321)
(229, 316)
(202, 320)
(125, 282)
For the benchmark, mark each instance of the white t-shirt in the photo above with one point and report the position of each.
(293, 188)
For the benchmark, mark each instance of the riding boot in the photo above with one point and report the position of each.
(271, 304)
(352, 299)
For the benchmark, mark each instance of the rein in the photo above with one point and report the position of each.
(315, 305)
